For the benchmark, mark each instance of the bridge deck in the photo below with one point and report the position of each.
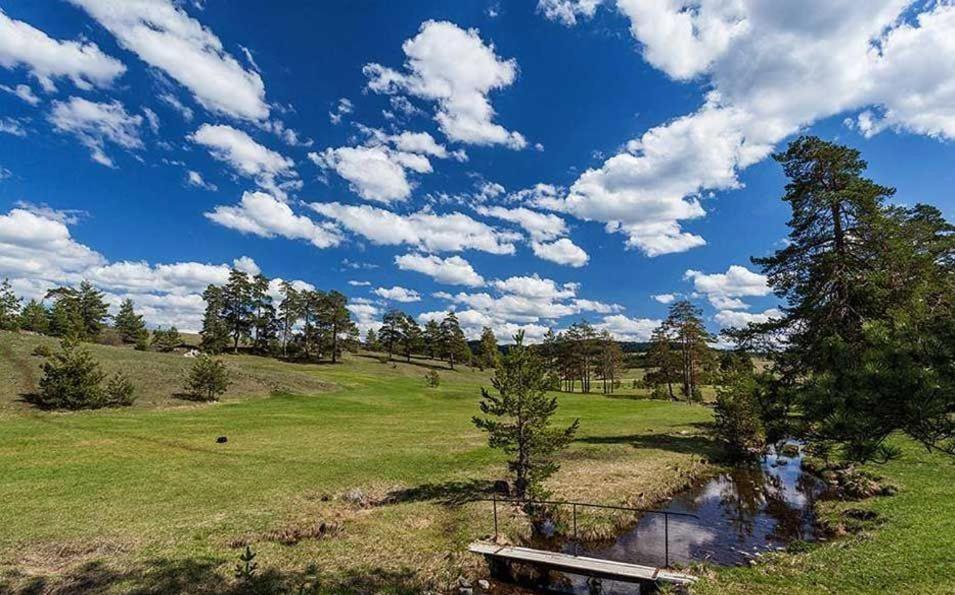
(607, 569)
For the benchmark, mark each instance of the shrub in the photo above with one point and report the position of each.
(166, 340)
(71, 379)
(738, 421)
(208, 379)
(142, 342)
(119, 391)
(432, 379)
(42, 351)
(109, 336)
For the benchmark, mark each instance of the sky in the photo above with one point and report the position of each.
(527, 164)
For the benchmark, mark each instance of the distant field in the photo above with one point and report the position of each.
(145, 497)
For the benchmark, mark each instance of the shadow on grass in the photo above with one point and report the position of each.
(449, 493)
(690, 444)
(205, 577)
(430, 365)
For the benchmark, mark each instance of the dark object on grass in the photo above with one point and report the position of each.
(222, 439)
(502, 487)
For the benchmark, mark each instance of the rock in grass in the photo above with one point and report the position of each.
(222, 440)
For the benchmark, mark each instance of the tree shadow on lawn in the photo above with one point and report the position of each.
(449, 493)
(203, 577)
(689, 444)
(414, 362)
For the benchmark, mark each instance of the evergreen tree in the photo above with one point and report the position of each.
(65, 319)
(264, 323)
(166, 340)
(664, 360)
(289, 313)
(237, 312)
(336, 320)
(432, 339)
(208, 379)
(692, 339)
(609, 359)
(311, 306)
(454, 345)
(71, 379)
(390, 333)
(215, 333)
(371, 341)
(411, 337)
(518, 419)
(92, 310)
(34, 318)
(488, 354)
(130, 325)
(9, 307)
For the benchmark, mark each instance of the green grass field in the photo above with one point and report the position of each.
(144, 500)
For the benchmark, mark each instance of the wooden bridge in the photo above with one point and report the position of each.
(604, 569)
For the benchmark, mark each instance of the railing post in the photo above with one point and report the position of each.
(666, 540)
(576, 541)
(495, 518)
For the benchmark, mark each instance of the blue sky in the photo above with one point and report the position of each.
(527, 164)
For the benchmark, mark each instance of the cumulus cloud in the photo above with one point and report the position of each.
(664, 298)
(451, 271)
(95, 124)
(562, 251)
(247, 157)
(624, 328)
(398, 294)
(456, 69)
(46, 59)
(542, 227)
(261, 214)
(164, 36)
(771, 70)
(724, 289)
(735, 318)
(568, 11)
(452, 232)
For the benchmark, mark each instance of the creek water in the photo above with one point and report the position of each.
(740, 514)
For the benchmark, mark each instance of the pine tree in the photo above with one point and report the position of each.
(371, 341)
(92, 309)
(390, 333)
(9, 307)
(609, 359)
(454, 345)
(518, 419)
(130, 325)
(264, 325)
(663, 359)
(432, 339)
(34, 318)
(411, 337)
(237, 313)
(71, 379)
(166, 340)
(215, 333)
(65, 319)
(336, 321)
(692, 338)
(208, 379)
(488, 353)
(289, 313)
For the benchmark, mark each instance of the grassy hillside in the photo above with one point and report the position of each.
(145, 496)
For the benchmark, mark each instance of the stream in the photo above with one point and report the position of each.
(741, 514)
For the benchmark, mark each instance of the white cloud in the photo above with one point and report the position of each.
(12, 126)
(342, 108)
(456, 69)
(263, 215)
(562, 251)
(247, 157)
(665, 298)
(47, 59)
(734, 318)
(194, 178)
(624, 328)
(452, 232)
(355, 283)
(96, 123)
(724, 289)
(373, 172)
(772, 70)
(39, 247)
(152, 118)
(452, 271)
(568, 11)
(24, 92)
(173, 102)
(398, 294)
(542, 227)
(165, 37)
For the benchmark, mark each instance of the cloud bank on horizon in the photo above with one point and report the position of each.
(426, 171)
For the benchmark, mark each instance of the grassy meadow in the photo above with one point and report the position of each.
(144, 499)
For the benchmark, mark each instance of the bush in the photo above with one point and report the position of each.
(71, 380)
(432, 379)
(119, 391)
(208, 379)
(42, 351)
(738, 421)
(109, 336)
(142, 342)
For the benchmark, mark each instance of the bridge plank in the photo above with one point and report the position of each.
(582, 565)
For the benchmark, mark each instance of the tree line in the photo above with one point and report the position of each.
(579, 356)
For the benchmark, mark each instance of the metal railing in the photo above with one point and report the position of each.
(574, 505)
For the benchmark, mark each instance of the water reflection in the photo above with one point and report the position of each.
(740, 514)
